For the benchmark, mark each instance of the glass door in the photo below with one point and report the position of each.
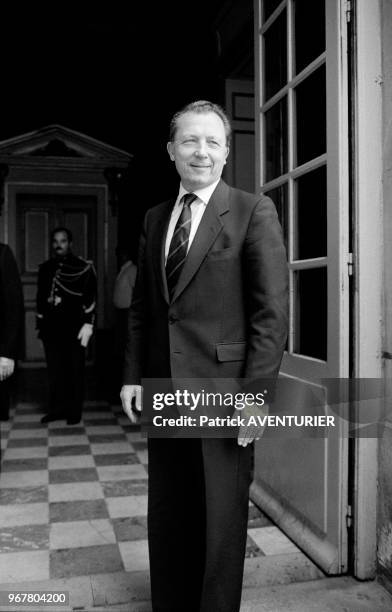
(302, 164)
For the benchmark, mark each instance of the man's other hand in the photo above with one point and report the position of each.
(6, 367)
(128, 392)
(248, 433)
(86, 331)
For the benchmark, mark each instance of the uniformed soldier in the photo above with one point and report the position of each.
(66, 300)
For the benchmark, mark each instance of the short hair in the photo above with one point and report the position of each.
(57, 230)
(201, 106)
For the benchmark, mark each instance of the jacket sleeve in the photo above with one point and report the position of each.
(133, 357)
(11, 305)
(123, 286)
(266, 291)
(41, 301)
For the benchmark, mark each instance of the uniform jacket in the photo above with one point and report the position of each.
(11, 305)
(66, 295)
(228, 316)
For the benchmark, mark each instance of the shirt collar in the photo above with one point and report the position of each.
(203, 194)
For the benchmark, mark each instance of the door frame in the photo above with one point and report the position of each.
(15, 188)
(368, 265)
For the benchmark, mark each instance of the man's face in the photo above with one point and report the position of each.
(61, 245)
(199, 149)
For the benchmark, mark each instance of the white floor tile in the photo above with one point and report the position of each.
(23, 479)
(142, 456)
(24, 514)
(24, 566)
(30, 452)
(132, 505)
(134, 555)
(68, 440)
(75, 491)
(28, 433)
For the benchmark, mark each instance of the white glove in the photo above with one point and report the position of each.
(6, 367)
(85, 334)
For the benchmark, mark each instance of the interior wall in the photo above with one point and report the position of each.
(384, 540)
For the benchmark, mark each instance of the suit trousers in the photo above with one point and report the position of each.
(4, 400)
(197, 523)
(65, 359)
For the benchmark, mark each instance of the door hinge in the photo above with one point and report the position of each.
(350, 264)
(349, 517)
(347, 9)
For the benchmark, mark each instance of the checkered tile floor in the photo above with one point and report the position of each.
(74, 498)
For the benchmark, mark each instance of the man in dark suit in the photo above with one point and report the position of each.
(210, 302)
(11, 323)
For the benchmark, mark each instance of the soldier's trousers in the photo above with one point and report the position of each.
(65, 359)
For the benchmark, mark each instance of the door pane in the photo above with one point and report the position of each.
(275, 56)
(310, 333)
(310, 215)
(279, 198)
(269, 7)
(36, 239)
(309, 31)
(276, 140)
(311, 116)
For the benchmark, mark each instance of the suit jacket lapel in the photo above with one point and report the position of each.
(209, 228)
(158, 241)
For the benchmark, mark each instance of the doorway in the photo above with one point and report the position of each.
(37, 214)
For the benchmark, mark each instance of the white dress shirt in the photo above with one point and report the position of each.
(197, 207)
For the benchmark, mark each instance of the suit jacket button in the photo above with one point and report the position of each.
(172, 319)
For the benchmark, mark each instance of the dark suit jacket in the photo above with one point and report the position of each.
(11, 305)
(228, 317)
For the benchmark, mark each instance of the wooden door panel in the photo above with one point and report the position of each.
(78, 223)
(33, 223)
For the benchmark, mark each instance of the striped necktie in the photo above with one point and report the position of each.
(179, 244)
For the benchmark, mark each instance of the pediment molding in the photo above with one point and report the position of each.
(59, 143)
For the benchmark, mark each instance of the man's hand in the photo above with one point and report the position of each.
(128, 392)
(248, 433)
(6, 367)
(85, 334)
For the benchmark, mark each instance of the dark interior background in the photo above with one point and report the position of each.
(118, 75)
